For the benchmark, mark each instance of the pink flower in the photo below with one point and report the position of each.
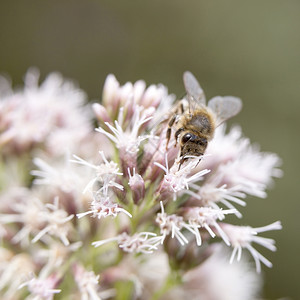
(159, 218)
(49, 114)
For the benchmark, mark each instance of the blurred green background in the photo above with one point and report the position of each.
(249, 49)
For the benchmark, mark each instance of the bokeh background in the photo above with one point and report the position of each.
(249, 49)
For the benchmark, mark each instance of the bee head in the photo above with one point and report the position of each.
(192, 145)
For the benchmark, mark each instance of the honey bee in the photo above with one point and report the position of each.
(195, 122)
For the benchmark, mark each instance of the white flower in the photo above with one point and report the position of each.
(252, 172)
(103, 206)
(176, 180)
(105, 173)
(171, 224)
(213, 192)
(13, 269)
(128, 140)
(206, 217)
(241, 165)
(56, 222)
(225, 147)
(87, 282)
(193, 219)
(243, 237)
(42, 288)
(54, 256)
(137, 243)
(27, 212)
(61, 174)
(126, 133)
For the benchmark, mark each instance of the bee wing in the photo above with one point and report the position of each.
(193, 88)
(225, 107)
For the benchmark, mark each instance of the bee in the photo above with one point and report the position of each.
(195, 122)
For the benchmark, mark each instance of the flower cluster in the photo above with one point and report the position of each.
(113, 212)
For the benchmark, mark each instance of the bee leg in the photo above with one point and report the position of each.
(181, 162)
(169, 130)
(168, 135)
(181, 107)
(177, 135)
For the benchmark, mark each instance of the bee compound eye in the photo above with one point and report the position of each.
(186, 137)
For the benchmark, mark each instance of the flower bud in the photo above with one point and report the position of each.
(137, 184)
(110, 92)
(101, 113)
